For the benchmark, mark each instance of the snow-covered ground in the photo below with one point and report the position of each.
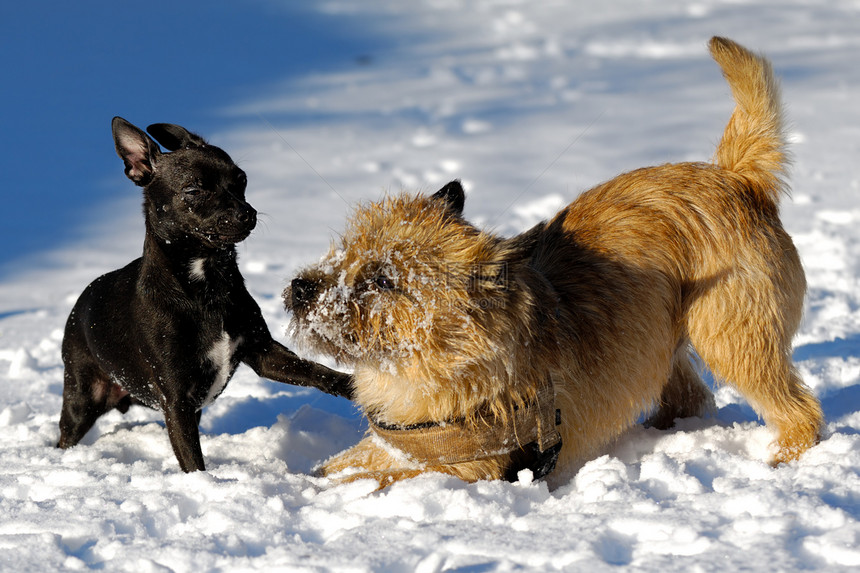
(528, 103)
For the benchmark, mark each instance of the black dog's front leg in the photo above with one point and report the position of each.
(274, 361)
(182, 429)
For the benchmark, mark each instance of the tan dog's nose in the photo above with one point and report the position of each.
(302, 291)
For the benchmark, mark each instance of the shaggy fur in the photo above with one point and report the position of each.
(442, 320)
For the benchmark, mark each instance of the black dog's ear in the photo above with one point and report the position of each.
(136, 149)
(453, 195)
(173, 137)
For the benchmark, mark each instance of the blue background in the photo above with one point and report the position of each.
(69, 67)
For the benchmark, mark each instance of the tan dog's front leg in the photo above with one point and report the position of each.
(369, 461)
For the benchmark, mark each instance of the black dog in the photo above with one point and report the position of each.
(169, 329)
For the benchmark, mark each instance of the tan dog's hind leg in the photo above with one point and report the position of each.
(742, 328)
(684, 396)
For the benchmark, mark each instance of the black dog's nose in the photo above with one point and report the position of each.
(302, 291)
(247, 216)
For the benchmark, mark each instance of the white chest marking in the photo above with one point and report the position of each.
(221, 357)
(195, 270)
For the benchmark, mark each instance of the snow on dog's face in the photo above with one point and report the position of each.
(399, 291)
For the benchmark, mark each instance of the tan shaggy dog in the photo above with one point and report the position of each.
(451, 329)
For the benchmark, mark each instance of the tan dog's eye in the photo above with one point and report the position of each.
(384, 282)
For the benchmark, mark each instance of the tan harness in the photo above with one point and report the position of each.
(455, 441)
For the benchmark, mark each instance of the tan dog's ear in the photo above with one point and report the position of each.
(521, 247)
(509, 258)
(453, 195)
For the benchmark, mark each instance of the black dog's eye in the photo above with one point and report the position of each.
(192, 191)
(384, 282)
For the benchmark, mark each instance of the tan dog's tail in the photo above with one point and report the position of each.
(753, 144)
